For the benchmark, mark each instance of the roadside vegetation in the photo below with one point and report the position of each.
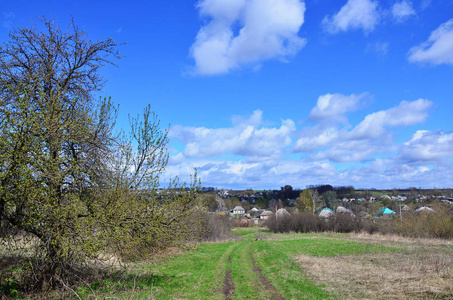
(255, 263)
(435, 224)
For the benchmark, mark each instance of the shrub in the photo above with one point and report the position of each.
(218, 228)
(304, 222)
(437, 224)
(345, 222)
(369, 226)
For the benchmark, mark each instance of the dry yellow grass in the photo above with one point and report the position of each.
(423, 271)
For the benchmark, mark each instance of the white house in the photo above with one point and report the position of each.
(238, 211)
(265, 215)
(424, 209)
(326, 213)
(282, 213)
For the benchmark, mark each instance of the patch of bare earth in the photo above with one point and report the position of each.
(423, 271)
(228, 286)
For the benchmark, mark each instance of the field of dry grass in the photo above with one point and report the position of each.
(424, 270)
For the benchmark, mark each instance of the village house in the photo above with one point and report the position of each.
(266, 215)
(238, 211)
(326, 213)
(282, 213)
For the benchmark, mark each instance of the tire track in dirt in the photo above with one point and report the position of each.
(228, 286)
(264, 281)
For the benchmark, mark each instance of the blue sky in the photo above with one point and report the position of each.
(264, 93)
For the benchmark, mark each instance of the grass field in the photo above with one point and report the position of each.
(263, 265)
(259, 265)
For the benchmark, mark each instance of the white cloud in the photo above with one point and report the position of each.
(401, 11)
(405, 114)
(355, 14)
(264, 175)
(247, 138)
(333, 107)
(439, 47)
(356, 150)
(428, 146)
(386, 172)
(367, 139)
(250, 153)
(266, 29)
(315, 139)
(330, 109)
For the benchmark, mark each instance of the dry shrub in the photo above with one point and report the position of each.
(369, 226)
(279, 225)
(306, 222)
(243, 223)
(219, 228)
(345, 223)
(437, 224)
(303, 222)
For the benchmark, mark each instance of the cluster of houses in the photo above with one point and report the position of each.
(256, 214)
(385, 211)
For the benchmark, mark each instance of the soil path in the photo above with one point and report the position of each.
(242, 252)
(228, 286)
(264, 281)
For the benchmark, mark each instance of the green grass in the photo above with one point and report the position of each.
(245, 280)
(323, 247)
(200, 274)
(196, 274)
(285, 274)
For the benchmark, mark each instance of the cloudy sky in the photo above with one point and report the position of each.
(264, 93)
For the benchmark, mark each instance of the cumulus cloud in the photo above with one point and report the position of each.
(428, 146)
(333, 107)
(267, 174)
(316, 138)
(405, 114)
(386, 172)
(330, 110)
(367, 139)
(248, 138)
(356, 150)
(355, 14)
(246, 32)
(401, 11)
(439, 47)
(250, 153)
